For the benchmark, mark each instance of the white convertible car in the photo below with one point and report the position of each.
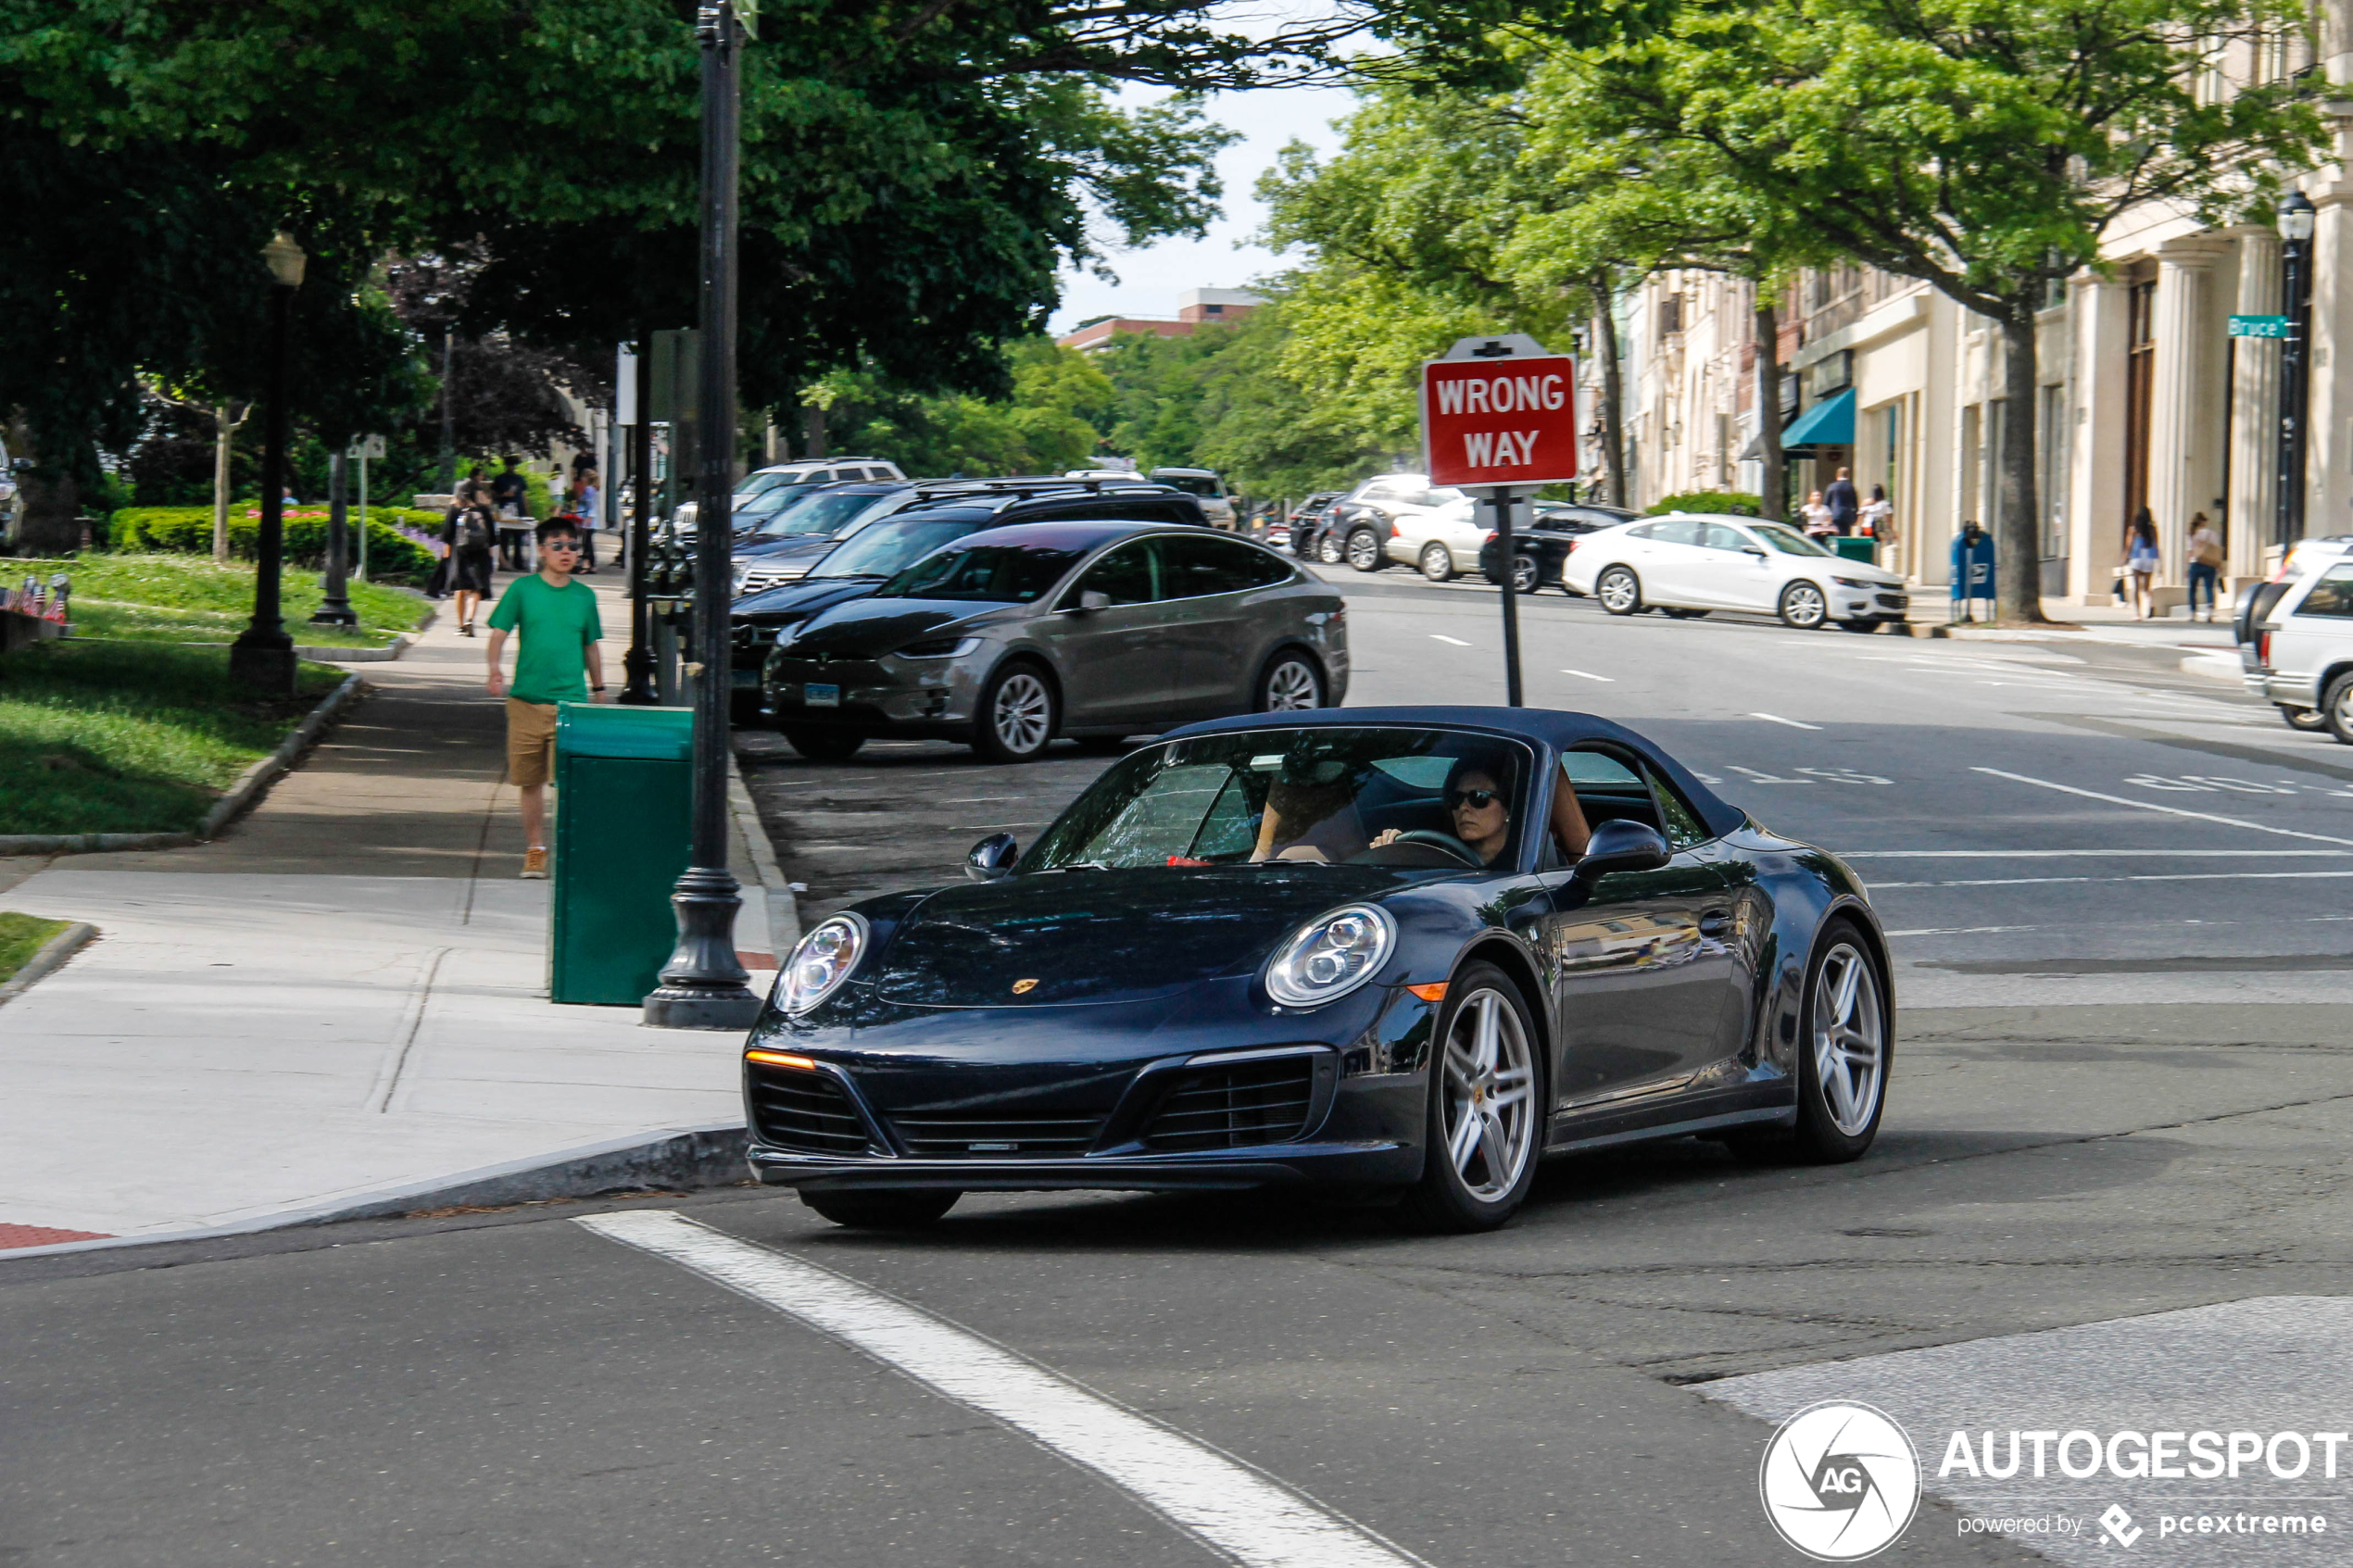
(1686, 566)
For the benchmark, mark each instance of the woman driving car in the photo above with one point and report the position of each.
(1481, 812)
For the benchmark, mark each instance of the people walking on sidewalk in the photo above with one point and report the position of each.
(1817, 516)
(2204, 546)
(1878, 515)
(471, 532)
(510, 494)
(1843, 502)
(2140, 563)
(557, 660)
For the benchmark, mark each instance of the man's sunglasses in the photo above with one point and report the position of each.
(568, 547)
(1477, 799)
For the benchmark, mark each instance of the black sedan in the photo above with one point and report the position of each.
(1537, 555)
(1405, 948)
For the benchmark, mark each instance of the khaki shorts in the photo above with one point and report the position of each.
(531, 742)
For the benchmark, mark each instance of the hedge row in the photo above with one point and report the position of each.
(1738, 502)
(188, 530)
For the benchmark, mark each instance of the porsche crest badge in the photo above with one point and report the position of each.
(1023, 987)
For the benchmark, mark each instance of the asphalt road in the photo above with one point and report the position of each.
(2122, 1087)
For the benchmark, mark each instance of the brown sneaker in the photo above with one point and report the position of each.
(534, 865)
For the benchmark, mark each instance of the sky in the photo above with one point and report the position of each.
(1151, 278)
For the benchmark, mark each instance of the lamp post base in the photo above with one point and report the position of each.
(637, 667)
(702, 985)
(334, 612)
(265, 668)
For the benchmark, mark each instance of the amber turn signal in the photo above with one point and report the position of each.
(779, 1059)
(1433, 993)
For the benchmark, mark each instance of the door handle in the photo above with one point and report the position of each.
(1714, 922)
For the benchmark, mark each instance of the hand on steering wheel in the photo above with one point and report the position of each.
(1433, 839)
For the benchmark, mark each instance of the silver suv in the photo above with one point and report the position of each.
(2296, 637)
(788, 477)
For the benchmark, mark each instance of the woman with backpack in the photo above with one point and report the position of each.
(471, 532)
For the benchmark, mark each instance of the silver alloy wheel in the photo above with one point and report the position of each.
(1524, 574)
(1022, 713)
(1292, 686)
(1617, 591)
(1850, 1038)
(1486, 1113)
(1363, 550)
(1327, 549)
(1803, 606)
(2343, 711)
(1436, 563)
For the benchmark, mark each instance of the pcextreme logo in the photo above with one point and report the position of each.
(1839, 1481)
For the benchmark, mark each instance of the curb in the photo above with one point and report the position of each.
(391, 650)
(48, 960)
(249, 787)
(784, 910)
(683, 1159)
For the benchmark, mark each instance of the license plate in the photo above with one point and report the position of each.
(817, 696)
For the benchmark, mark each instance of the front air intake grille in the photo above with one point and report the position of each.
(806, 1112)
(1250, 1102)
(986, 1135)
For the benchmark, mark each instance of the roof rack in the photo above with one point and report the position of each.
(1024, 488)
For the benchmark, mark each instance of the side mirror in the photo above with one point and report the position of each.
(1089, 601)
(1751, 550)
(993, 857)
(1619, 845)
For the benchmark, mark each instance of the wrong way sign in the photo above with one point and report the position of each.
(1499, 410)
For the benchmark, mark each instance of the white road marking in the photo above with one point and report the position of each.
(2169, 810)
(1776, 719)
(2077, 854)
(1442, 637)
(1589, 675)
(2152, 877)
(1756, 777)
(1238, 1511)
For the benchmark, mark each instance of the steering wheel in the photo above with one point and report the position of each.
(1445, 841)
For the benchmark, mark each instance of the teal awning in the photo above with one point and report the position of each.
(1828, 424)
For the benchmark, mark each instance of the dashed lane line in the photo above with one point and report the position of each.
(1776, 719)
(2168, 811)
(1442, 637)
(1240, 1512)
(1589, 675)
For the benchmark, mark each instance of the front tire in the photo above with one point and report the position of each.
(823, 746)
(1328, 550)
(1847, 1040)
(1016, 717)
(2336, 709)
(1483, 1123)
(881, 1211)
(1803, 606)
(1291, 684)
(1524, 578)
(2305, 718)
(1435, 562)
(1364, 551)
(1619, 590)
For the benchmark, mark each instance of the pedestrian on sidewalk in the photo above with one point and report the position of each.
(1878, 515)
(1843, 502)
(471, 532)
(556, 660)
(2204, 548)
(1817, 515)
(589, 523)
(2141, 556)
(510, 494)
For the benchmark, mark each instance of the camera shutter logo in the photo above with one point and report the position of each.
(1839, 1481)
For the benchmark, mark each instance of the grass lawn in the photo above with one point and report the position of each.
(167, 598)
(20, 937)
(131, 737)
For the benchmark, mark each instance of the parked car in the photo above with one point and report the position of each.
(1261, 953)
(1282, 532)
(913, 522)
(1204, 486)
(1312, 537)
(1009, 637)
(1400, 516)
(1688, 564)
(790, 476)
(2296, 637)
(1539, 553)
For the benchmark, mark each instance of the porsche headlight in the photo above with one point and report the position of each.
(821, 961)
(1331, 956)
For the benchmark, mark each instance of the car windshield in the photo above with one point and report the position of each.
(889, 545)
(1789, 541)
(1439, 800)
(813, 511)
(760, 483)
(992, 573)
(1190, 485)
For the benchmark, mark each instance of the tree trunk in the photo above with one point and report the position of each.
(1613, 388)
(48, 500)
(221, 427)
(1775, 499)
(2017, 533)
(813, 431)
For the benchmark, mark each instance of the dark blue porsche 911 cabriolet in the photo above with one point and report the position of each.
(1414, 948)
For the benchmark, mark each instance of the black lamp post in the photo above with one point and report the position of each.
(702, 985)
(334, 591)
(263, 657)
(2296, 377)
(639, 662)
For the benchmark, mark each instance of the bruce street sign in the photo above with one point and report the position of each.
(2259, 326)
(1499, 410)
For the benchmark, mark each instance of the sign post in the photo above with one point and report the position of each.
(1499, 418)
(362, 449)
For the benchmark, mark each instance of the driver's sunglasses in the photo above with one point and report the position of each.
(1477, 799)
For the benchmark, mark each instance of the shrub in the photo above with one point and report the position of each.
(188, 530)
(1739, 503)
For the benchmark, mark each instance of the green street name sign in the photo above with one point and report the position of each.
(2259, 326)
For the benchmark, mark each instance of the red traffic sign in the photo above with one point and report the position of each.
(1508, 420)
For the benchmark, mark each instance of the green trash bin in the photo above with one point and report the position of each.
(625, 801)
(1855, 546)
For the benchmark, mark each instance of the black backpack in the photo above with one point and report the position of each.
(472, 533)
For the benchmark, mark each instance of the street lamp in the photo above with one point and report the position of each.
(2296, 384)
(702, 985)
(262, 657)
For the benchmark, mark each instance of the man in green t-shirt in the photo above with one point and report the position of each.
(556, 662)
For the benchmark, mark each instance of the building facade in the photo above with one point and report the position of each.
(2142, 398)
(1195, 309)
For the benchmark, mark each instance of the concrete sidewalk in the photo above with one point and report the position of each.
(340, 1001)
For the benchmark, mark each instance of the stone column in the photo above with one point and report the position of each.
(2255, 406)
(2095, 467)
(2183, 446)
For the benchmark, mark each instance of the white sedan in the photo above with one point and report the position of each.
(1687, 565)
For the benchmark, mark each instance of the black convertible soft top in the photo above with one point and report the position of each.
(1550, 726)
